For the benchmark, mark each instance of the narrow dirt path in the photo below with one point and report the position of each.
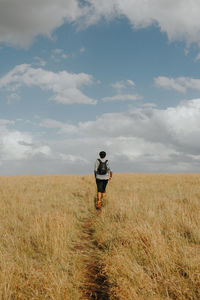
(96, 285)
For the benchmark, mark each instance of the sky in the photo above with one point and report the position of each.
(79, 77)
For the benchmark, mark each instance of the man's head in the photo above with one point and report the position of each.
(102, 154)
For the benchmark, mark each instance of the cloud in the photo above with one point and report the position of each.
(70, 158)
(197, 57)
(64, 128)
(178, 19)
(16, 145)
(123, 84)
(152, 139)
(58, 55)
(64, 85)
(180, 84)
(131, 82)
(25, 153)
(123, 97)
(4, 123)
(21, 21)
(124, 91)
(176, 127)
(13, 97)
(82, 49)
(144, 139)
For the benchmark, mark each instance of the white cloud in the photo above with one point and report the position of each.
(64, 128)
(124, 91)
(176, 129)
(123, 84)
(13, 97)
(4, 123)
(144, 139)
(149, 104)
(170, 83)
(82, 49)
(21, 21)
(178, 19)
(58, 54)
(64, 85)
(23, 152)
(73, 158)
(197, 57)
(118, 85)
(64, 56)
(180, 84)
(123, 97)
(131, 82)
(16, 145)
(58, 51)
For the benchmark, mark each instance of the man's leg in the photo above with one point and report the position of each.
(101, 192)
(103, 196)
(99, 195)
(98, 202)
(105, 182)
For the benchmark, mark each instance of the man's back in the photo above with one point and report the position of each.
(102, 162)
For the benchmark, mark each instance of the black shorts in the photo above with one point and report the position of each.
(101, 185)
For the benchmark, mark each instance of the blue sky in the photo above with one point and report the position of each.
(77, 78)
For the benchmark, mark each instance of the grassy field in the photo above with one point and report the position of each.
(144, 244)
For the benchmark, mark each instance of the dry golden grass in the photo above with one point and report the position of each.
(150, 238)
(146, 239)
(39, 224)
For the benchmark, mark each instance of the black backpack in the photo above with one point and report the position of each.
(102, 168)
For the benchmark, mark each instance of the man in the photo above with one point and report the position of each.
(103, 174)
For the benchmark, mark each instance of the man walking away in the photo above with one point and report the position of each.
(103, 174)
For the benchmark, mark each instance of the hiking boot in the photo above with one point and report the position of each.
(98, 206)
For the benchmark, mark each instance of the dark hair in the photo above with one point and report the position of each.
(102, 154)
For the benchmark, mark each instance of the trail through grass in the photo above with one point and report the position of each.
(95, 285)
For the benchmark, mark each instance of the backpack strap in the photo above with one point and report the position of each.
(101, 161)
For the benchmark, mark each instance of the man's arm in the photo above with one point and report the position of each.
(95, 168)
(109, 171)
